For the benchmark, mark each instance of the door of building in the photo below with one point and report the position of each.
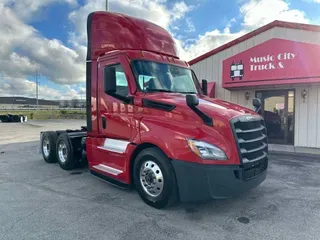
(278, 112)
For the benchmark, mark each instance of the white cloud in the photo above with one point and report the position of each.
(312, 1)
(18, 66)
(27, 8)
(190, 25)
(23, 87)
(208, 41)
(228, 26)
(260, 12)
(179, 10)
(49, 56)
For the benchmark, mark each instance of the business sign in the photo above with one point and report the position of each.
(276, 61)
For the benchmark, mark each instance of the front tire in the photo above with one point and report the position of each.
(64, 150)
(154, 178)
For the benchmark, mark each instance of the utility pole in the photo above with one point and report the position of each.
(81, 98)
(107, 5)
(37, 87)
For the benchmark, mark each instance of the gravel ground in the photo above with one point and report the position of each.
(42, 201)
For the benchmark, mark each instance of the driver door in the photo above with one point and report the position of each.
(115, 118)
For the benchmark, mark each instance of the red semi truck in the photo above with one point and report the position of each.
(151, 125)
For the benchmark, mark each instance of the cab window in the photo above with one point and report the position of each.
(121, 81)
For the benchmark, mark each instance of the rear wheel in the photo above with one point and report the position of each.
(48, 146)
(154, 178)
(64, 152)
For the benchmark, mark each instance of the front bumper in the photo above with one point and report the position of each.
(198, 182)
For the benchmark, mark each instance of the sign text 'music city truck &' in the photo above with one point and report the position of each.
(276, 61)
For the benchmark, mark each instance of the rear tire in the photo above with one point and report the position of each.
(48, 146)
(155, 179)
(64, 151)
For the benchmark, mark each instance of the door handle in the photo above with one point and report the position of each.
(104, 122)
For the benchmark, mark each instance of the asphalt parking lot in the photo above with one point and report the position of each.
(42, 201)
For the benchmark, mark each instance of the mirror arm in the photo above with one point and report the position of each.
(205, 118)
(256, 102)
(258, 110)
(192, 102)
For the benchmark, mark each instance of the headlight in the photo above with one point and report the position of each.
(206, 150)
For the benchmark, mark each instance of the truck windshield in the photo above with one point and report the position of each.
(161, 77)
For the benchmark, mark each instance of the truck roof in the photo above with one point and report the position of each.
(109, 31)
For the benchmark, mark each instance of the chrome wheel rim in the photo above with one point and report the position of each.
(151, 178)
(63, 152)
(46, 147)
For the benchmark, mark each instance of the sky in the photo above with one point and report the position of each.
(48, 37)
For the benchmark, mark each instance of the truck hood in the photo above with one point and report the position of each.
(210, 106)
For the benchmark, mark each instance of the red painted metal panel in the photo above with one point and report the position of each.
(115, 31)
(274, 62)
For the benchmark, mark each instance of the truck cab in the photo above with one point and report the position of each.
(151, 125)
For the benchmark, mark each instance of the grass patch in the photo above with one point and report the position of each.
(48, 114)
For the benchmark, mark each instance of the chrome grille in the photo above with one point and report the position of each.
(251, 138)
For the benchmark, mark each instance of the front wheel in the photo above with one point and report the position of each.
(154, 178)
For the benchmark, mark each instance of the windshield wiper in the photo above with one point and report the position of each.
(157, 90)
(188, 92)
(164, 90)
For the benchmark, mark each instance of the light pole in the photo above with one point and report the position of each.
(107, 5)
(37, 87)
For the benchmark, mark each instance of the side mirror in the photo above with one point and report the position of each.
(205, 86)
(192, 100)
(256, 102)
(109, 80)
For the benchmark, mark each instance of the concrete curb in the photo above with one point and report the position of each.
(289, 149)
(295, 154)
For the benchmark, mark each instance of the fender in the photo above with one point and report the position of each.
(156, 132)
